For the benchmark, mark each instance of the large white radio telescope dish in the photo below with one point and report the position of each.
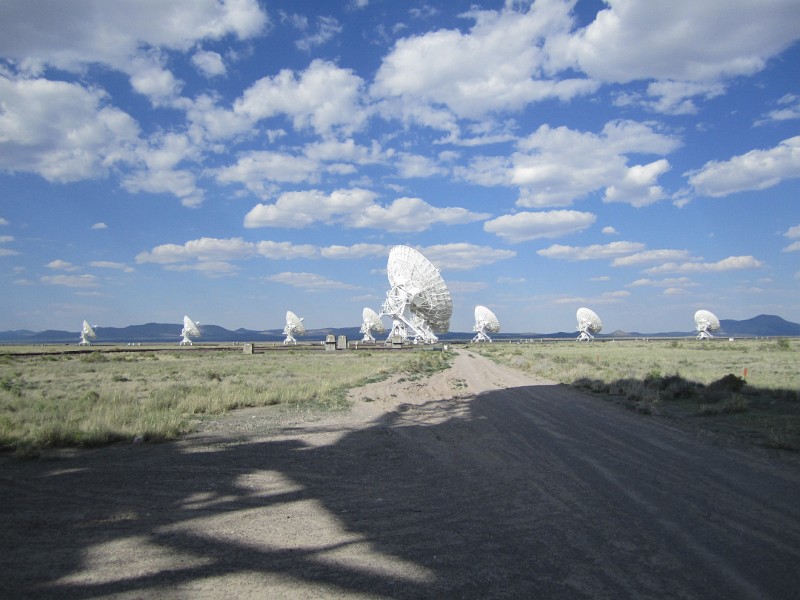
(189, 331)
(370, 322)
(485, 323)
(419, 300)
(705, 322)
(588, 324)
(87, 333)
(294, 326)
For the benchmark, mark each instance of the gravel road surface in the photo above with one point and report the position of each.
(478, 482)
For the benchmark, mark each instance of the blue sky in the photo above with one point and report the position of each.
(232, 160)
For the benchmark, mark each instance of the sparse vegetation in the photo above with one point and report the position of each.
(97, 398)
(746, 389)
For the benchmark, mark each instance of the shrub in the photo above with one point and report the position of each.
(729, 383)
(654, 376)
(735, 404)
(94, 357)
(10, 385)
(675, 387)
(427, 363)
(780, 439)
(90, 397)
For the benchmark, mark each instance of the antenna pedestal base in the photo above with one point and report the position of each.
(481, 336)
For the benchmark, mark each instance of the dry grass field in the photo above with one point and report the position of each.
(747, 389)
(68, 398)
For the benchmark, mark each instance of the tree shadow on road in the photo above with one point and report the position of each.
(515, 493)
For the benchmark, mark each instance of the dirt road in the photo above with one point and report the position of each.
(479, 482)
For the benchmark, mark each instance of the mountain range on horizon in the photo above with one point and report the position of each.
(759, 326)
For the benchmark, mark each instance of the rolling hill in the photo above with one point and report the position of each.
(759, 326)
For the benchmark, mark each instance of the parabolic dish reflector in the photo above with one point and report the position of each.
(705, 320)
(588, 320)
(428, 295)
(294, 323)
(190, 327)
(485, 317)
(88, 331)
(371, 320)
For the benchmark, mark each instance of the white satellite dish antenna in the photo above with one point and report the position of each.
(485, 323)
(370, 322)
(294, 326)
(588, 324)
(419, 299)
(705, 322)
(87, 333)
(189, 331)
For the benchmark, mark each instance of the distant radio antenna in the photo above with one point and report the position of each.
(485, 323)
(294, 326)
(705, 322)
(588, 324)
(87, 333)
(189, 331)
(419, 300)
(371, 322)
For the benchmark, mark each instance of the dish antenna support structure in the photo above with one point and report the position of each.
(294, 326)
(485, 323)
(371, 321)
(418, 302)
(189, 331)
(588, 324)
(87, 333)
(705, 322)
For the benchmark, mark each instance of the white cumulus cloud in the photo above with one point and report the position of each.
(62, 265)
(127, 35)
(208, 63)
(649, 257)
(462, 256)
(555, 166)
(108, 264)
(216, 251)
(354, 208)
(525, 226)
(755, 170)
(670, 282)
(669, 42)
(309, 281)
(497, 65)
(732, 263)
(411, 214)
(324, 98)
(61, 131)
(76, 281)
(593, 252)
